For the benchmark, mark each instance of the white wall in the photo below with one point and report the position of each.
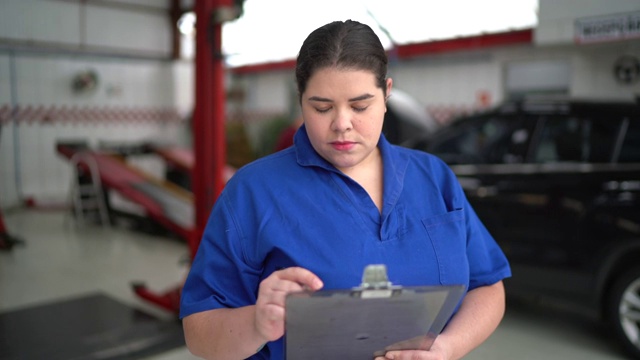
(141, 93)
(183, 87)
(140, 27)
(126, 103)
(268, 91)
(453, 79)
(43, 21)
(593, 72)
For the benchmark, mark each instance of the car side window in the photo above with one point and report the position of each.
(630, 151)
(559, 141)
(462, 144)
(484, 140)
(575, 139)
(603, 133)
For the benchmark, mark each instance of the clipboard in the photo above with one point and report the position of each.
(368, 320)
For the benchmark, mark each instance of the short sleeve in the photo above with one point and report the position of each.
(487, 262)
(219, 276)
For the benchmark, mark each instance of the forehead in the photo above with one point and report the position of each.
(332, 80)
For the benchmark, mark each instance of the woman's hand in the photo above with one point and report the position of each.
(477, 318)
(438, 351)
(270, 311)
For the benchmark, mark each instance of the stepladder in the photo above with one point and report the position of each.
(87, 195)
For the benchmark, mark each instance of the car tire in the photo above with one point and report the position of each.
(623, 310)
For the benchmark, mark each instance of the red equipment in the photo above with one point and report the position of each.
(7, 241)
(183, 159)
(164, 202)
(208, 127)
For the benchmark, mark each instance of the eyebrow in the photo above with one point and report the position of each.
(357, 98)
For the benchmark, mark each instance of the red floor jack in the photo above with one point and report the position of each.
(7, 241)
(170, 299)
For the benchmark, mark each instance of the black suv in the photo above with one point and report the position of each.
(557, 183)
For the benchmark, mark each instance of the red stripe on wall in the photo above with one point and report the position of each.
(258, 68)
(466, 43)
(407, 51)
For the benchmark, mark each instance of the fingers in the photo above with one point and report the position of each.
(272, 294)
(300, 276)
(411, 355)
(275, 288)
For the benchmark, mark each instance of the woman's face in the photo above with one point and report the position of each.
(343, 112)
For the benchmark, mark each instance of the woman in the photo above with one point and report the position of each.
(314, 215)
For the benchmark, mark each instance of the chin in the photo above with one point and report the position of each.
(344, 164)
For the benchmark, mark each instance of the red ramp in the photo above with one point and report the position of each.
(164, 202)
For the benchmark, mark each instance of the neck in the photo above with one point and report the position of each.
(369, 175)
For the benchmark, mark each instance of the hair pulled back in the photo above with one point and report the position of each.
(343, 45)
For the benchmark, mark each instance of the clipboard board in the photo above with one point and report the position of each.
(368, 320)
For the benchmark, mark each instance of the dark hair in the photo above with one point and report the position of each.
(345, 45)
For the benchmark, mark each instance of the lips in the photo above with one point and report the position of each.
(343, 145)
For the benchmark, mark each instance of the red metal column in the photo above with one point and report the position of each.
(208, 116)
(207, 176)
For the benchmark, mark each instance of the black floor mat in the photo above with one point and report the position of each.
(91, 327)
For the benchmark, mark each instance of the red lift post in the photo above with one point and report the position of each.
(207, 176)
(209, 115)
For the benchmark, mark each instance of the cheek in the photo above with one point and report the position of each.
(313, 125)
(371, 126)
(315, 130)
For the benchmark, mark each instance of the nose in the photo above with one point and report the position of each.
(341, 122)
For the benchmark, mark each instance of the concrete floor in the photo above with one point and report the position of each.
(60, 260)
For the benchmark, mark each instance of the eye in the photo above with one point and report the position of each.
(323, 110)
(359, 109)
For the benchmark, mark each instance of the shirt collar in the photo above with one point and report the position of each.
(395, 163)
(395, 166)
(306, 154)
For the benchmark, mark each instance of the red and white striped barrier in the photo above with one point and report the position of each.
(40, 114)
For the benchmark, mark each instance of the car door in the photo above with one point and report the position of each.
(547, 187)
(507, 193)
(551, 201)
(487, 153)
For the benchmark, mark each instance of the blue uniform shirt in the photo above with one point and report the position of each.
(293, 208)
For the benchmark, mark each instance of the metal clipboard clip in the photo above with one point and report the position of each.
(375, 284)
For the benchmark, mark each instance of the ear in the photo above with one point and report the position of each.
(389, 86)
(388, 93)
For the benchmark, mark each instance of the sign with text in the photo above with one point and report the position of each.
(607, 28)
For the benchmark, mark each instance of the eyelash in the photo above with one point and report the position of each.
(356, 109)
